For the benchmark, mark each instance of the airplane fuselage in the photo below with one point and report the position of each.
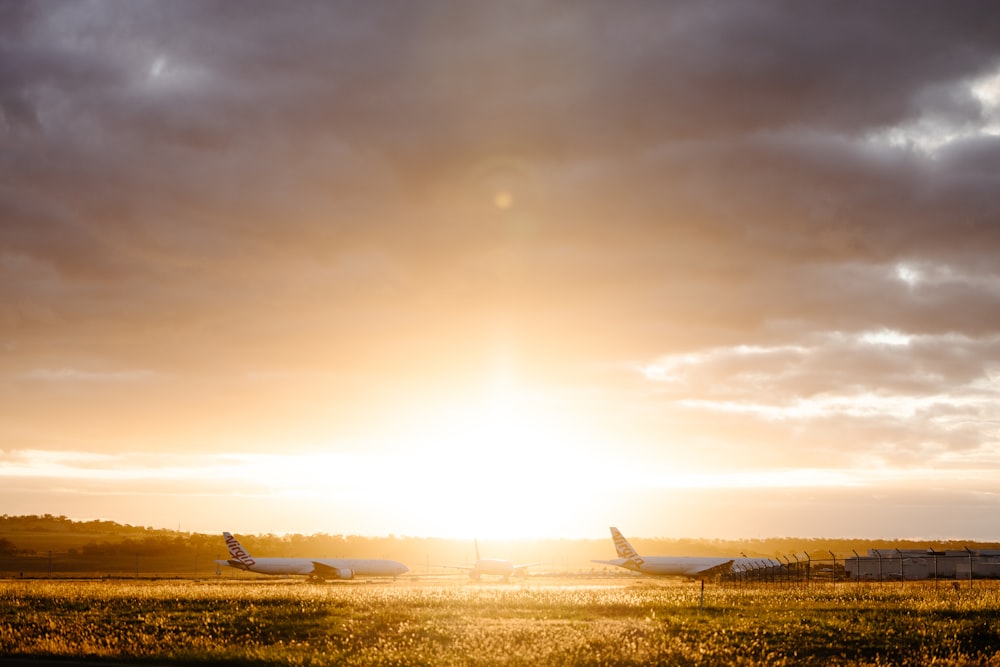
(492, 566)
(500, 567)
(680, 566)
(694, 567)
(324, 568)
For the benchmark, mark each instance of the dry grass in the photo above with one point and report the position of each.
(455, 622)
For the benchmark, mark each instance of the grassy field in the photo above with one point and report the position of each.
(628, 621)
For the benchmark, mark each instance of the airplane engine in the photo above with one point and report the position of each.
(323, 570)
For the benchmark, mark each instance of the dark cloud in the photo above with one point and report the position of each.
(207, 189)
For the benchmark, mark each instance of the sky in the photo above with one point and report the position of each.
(518, 269)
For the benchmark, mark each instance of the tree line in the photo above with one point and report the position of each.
(38, 535)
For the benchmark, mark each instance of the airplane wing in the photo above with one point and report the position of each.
(524, 565)
(721, 568)
(459, 566)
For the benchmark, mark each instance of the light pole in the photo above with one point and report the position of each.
(833, 572)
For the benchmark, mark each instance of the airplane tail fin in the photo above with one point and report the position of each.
(476, 542)
(237, 551)
(624, 549)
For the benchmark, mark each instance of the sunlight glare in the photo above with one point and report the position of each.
(908, 274)
(888, 337)
(503, 200)
(496, 467)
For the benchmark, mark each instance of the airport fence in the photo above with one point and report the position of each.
(876, 566)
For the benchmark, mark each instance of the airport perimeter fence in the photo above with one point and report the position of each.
(878, 566)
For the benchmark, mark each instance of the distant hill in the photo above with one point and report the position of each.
(40, 545)
(45, 532)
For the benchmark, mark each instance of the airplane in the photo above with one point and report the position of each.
(314, 568)
(674, 566)
(493, 566)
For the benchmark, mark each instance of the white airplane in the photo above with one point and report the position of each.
(675, 566)
(493, 566)
(314, 568)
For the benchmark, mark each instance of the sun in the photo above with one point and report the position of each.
(505, 468)
(503, 200)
